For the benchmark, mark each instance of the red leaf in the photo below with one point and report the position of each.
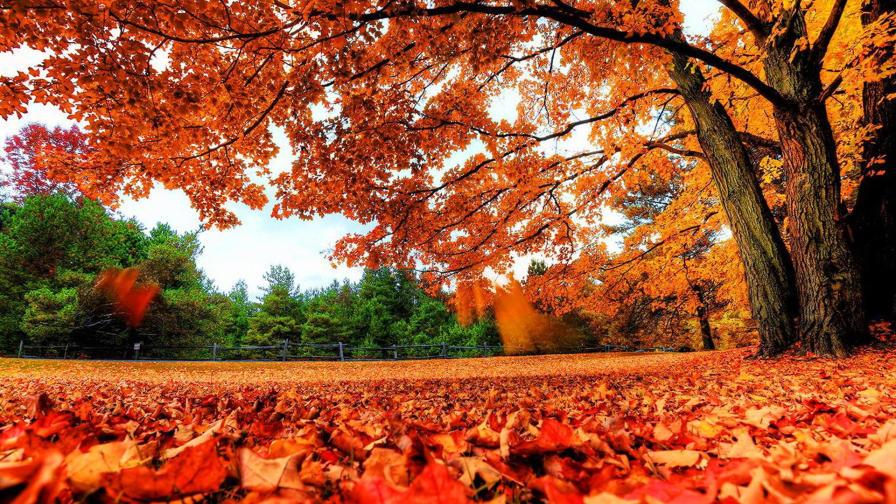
(375, 490)
(40, 476)
(553, 437)
(555, 496)
(196, 470)
(434, 485)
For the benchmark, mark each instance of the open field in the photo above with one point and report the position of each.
(573, 429)
(328, 372)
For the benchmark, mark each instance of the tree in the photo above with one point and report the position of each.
(188, 310)
(705, 293)
(59, 258)
(277, 318)
(409, 85)
(33, 155)
(238, 313)
(322, 327)
(279, 315)
(537, 267)
(279, 277)
(387, 296)
(50, 316)
(56, 232)
(427, 323)
(51, 249)
(872, 222)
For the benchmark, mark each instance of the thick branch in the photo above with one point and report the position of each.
(820, 47)
(757, 27)
(564, 15)
(675, 150)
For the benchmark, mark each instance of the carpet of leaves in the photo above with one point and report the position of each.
(701, 427)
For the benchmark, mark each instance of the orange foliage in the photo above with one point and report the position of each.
(133, 300)
(703, 427)
(196, 470)
(397, 114)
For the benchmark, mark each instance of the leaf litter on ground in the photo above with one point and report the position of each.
(571, 429)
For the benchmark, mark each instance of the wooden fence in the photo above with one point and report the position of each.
(286, 351)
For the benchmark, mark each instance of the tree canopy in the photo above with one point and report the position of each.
(766, 127)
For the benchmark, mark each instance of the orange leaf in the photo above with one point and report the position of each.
(197, 470)
(553, 437)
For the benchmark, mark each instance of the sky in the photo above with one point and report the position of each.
(246, 252)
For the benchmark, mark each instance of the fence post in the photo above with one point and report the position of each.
(21, 347)
(65, 353)
(395, 352)
(341, 354)
(444, 350)
(214, 352)
(285, 347)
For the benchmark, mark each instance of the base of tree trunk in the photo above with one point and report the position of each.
(766, 351)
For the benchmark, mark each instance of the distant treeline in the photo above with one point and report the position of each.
(54, 247)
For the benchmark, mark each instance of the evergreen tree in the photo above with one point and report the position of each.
(235, 324)
(278, 317)
(52, 247)
(323, 327)
(185, 311)
(279, 276)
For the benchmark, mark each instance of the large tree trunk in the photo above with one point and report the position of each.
(767, 265)
(831, 312)
(873, 219)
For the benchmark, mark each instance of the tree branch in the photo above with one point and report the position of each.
(757, 27)
(832, 87)
(676, 150)
(576, 20)
(820, 47)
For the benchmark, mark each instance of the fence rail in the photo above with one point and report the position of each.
(291, 351)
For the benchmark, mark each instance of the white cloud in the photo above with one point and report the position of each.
(247, 251)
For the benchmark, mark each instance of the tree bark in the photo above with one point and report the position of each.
(767, 265)
(831, 313)
(873, 219)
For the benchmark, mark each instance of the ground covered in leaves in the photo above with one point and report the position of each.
(568, 429)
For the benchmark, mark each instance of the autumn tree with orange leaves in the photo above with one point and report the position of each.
(776, 123)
